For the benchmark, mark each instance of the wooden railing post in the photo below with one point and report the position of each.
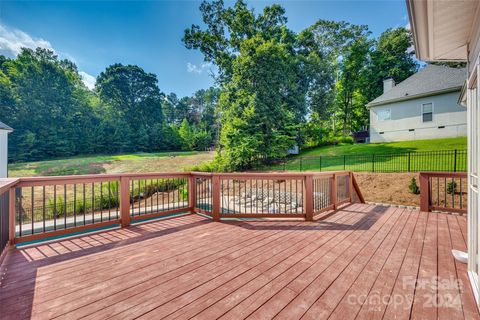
(424, 193)
(333, 189)
(350, 186)
(308, 197)
(11, 216)
(192, 191)
(125, 201)
(215, 197)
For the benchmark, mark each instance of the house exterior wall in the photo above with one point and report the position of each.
(407, 115)
(3, 153)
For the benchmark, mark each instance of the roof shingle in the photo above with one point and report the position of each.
(431, 79)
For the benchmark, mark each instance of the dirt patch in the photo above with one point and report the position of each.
(161, 164)
(389, 188)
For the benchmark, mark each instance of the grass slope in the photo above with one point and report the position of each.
(390, 147)
(389, 157)
(138, 162)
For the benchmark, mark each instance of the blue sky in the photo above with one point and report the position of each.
(148, 33)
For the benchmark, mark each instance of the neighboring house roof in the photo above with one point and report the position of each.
(3, 126)
(431, 80)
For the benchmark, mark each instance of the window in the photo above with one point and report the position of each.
(383, 114)
(427, 112)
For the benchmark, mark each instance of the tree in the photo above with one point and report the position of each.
(133, 96)
(262, 103)
(259, 119)
(43, 97)
(227, 29)
(349, 98)
(389, 58)
(186, 134)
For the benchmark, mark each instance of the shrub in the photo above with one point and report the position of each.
(451, 187)
(413, 187)
(208, 166)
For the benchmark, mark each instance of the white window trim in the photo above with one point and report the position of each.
(389, 112)
(433, 111)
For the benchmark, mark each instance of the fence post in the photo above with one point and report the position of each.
(333, 189)
(320, 163)
(455, 162)
(373, 162)
(11, 216)
(308, 195)
(301, 160)
(424, 193)
(215, 197)
(191, 193)
(125, 201)
(344, 161)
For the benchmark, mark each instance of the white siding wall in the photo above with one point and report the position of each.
(3, 153)
(407, 115)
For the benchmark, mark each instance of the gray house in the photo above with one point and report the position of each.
(4, 131)
(423, 106)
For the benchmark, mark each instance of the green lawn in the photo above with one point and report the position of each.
(382, 157)
(136, 162)
(391, 147)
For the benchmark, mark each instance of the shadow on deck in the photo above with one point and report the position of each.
(358, 262)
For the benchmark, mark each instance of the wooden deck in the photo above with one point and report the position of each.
(362, 262)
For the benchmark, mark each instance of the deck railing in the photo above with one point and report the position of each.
(272, 195)
(443, 191)
(43, 207)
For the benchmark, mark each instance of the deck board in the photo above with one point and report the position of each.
(354, 264)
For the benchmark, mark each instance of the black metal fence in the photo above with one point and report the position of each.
(438, 160)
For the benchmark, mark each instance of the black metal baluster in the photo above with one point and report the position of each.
(75, 204)
(93, 202)
(461, 193)
(54, 207)
(64, 206)
(453, 192)
(44, 208)
(438, 191)
(101, 201)
(445, 191)
(157, 194)
(109, 202)
(84, 205)
(33, 210)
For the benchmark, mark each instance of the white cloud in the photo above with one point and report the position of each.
(192, 68)
(407, 26)
(13, 40)
(88, 80)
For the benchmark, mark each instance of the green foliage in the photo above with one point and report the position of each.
(208, 166)
(451, 187)
(413, 187)
(390, 58)
(54, 115)
(276, 89)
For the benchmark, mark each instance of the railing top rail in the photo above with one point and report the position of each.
(6, 183)
(291, 175)
(444, 174)
(90, 178)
